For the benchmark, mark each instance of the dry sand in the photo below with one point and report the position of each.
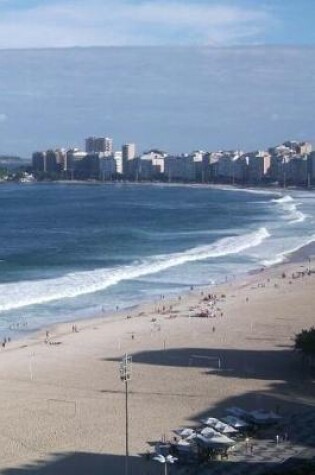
(66, 397)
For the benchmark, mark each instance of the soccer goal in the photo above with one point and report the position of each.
(206, 361)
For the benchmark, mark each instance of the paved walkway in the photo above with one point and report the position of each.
(267, 454)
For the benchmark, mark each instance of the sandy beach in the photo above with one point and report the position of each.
(62, 404)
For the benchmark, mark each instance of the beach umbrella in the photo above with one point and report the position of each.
(169, 459)
(235, 422)
(217, 441)
(210, 421)
(224, 428)
(185, 433)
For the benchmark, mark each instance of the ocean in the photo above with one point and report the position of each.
(69, 251)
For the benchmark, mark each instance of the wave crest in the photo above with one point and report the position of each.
(22, 294)
(290, 205)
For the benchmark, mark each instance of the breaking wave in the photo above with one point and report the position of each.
(290, 205)
(21, 294)
(283, 255)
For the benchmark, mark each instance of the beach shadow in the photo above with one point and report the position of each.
(274, 365)
(84, 463)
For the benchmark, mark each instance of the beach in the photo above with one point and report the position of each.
(62, 399)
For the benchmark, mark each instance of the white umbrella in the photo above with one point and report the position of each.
(235, 422)
(185, 433)
(219, 426)
(210, 421)
(224, 428)
(165, 460)
(215, 441)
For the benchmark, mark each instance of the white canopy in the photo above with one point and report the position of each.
(219, 426)
(235, 422)
(216, 440)
(185, 433)
(209, 421)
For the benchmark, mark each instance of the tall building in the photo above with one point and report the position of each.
(118, 159)
(38, 161)
(99, 145)
(50, 162)
(45, 162)
(90, 144)
(128, 153)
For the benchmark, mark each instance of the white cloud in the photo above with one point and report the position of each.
(110, 22)
(3, 117)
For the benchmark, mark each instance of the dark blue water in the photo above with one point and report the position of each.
(68, 250)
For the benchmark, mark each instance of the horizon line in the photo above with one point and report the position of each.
(162, 46)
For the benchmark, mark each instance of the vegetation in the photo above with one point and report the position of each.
(3, 172)
(305, 342)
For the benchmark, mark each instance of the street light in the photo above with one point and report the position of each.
(166, 460)
(125, 376)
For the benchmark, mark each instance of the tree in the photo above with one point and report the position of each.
(305, 343)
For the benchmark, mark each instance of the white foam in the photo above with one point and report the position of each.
(284, 199)
(21, 294)
(282, 256)
(254, 191)
(289, 205)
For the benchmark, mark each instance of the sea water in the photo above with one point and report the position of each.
(69, 251)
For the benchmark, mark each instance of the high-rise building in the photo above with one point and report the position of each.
(128, 153)
(90, 144)
(50, 162)
(38, 161)
(99, 145)
(118, 159)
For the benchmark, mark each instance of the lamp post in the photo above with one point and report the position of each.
(165, 460)
(125, 376)
(309, 265)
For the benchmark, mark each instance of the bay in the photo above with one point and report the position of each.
(70, 251)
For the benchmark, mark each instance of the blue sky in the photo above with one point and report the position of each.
(62, 23)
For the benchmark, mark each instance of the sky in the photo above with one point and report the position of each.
(69, 23)
(174, 98)
(207, 96)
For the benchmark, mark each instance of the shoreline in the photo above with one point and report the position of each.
(299, 256)
(276, 189)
